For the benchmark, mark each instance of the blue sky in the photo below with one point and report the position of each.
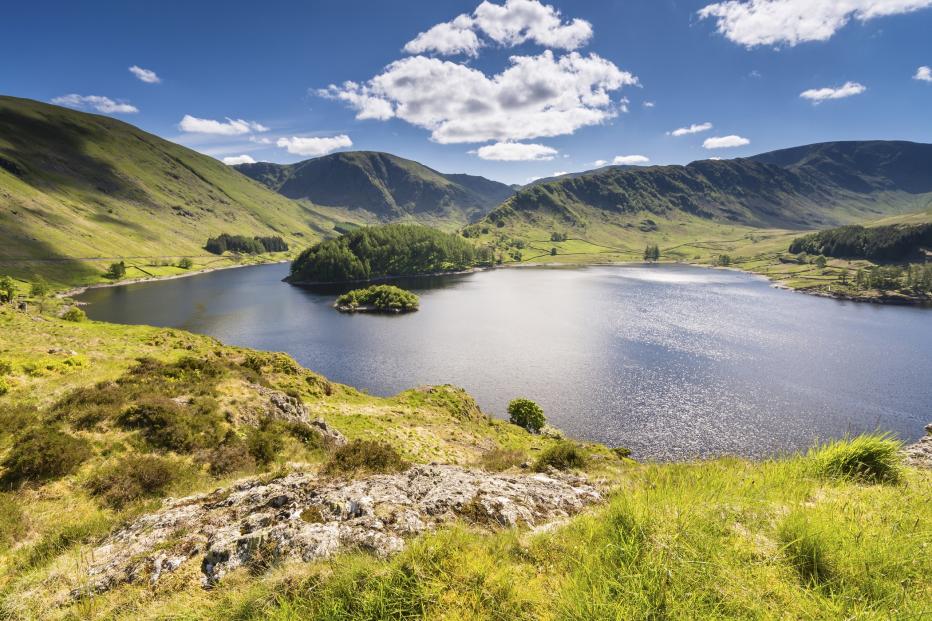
(597, 79)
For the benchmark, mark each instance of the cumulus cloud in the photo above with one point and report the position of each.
(725, 142)
(314, 147)
(536, 96)
(448, 38)
(600, 163)
(648, 104)
(924, 74)
(508, 25)
(146, 75)
(790, 22)
(232, 127)
(233, 160)
(630, 160)
(848, 89)
(695, 128)
(516, 152)
(95, 102)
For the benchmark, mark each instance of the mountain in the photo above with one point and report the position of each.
(809, 187)
(77, 186)
(382, 187)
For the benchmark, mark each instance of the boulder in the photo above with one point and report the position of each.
(305, 517)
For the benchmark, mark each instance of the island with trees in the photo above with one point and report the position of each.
(377, 299)
(245, 245)
(387, 251)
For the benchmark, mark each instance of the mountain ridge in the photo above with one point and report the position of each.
(383, 186)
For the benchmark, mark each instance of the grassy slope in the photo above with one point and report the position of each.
(367, 186)
(77, 190)
(720, 539)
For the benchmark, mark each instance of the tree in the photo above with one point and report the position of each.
(39, 288)
(116, 271)
(652, 252)
(820, 262)
(647, 253)
(7, 289)
(724, 260)
(553, 252)
(527, 414)
(185, 263)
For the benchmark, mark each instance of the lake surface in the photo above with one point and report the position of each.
(672, 361)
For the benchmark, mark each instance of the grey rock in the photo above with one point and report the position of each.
(302, 516)
(920, 453)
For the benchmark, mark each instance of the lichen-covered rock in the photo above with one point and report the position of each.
(920, 453)
(301, 516)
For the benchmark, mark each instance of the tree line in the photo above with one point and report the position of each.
(245, 245)
(386, 250)
(898, 242)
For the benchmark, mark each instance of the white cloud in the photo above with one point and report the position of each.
(599, 163)
(95, 102)
(695, 128)
(146, 75)
(314, 147)
(510, 24)
(648, 104)
(260, 139)
(924, 74)
(775, 22)
(516, 152)
(536, 96)
(725, 142)
(238, 159)
(232, 127)
(448, 38)
(559, 173)
(848, 89)
(630, 160)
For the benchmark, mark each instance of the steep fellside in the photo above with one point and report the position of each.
(383, 187)
(75, 187)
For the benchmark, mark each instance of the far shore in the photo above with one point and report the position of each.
(143, 279)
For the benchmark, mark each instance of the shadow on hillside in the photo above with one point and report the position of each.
(53, 156)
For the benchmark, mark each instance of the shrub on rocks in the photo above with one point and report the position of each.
(44, 453)
(133, 478)
(527, 414)
(364, 456)
(562, 456)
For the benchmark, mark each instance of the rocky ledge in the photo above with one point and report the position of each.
(305, 517)
(920, 453)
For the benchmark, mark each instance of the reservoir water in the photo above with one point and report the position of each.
(671, 361)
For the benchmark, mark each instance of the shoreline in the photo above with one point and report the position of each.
(135, 281)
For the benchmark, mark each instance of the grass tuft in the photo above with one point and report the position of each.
(870, 458)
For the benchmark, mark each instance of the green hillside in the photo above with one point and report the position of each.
(78, 190)
(369, 186)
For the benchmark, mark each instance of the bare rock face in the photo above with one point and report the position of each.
(920, 453)
(301, 516)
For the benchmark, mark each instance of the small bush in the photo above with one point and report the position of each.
(497, 460)
(364, 456)
(621, 452)
(265, 442)
(562, 456)
(44, 453)
(4, 386)
(133, 478)
(872, 458)
(231, 456)
(525, 413)
(87, 406)
(74, 314)
(185, 263)
(12, 520)
(6, 367)
(167, 425)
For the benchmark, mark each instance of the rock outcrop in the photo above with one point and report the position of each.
(303, 516)
(920, 453)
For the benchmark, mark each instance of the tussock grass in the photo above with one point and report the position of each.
(871, 458)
